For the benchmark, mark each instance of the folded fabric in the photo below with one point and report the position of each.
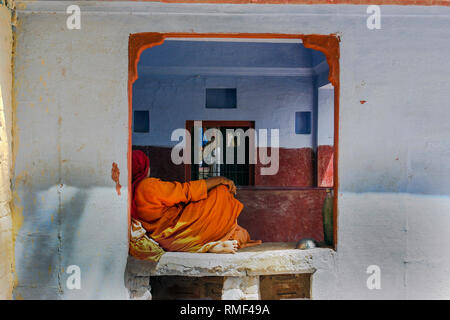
(142, 247)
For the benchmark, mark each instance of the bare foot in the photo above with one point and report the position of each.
(229, 246)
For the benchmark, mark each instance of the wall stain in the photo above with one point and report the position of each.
(16, 208)
(81, 147)
(17, 223)
(115, 173)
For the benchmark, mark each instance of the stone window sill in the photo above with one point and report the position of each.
(267, 259)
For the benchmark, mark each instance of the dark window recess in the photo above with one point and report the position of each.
(285, 286)
(239, 173)
(221, 98)
(141, 121)
(182, 288)
(303, 122)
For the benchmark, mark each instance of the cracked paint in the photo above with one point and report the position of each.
(115, 174)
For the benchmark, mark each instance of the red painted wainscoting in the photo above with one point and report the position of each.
(274, 215)
(325, 155)
(296, 169)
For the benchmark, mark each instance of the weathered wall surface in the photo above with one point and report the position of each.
(394, 205)
(6, 236)
(72, 125)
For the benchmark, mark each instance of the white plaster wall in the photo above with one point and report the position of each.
(406, 235)
(393, 151)
(72, 120)
(6, 236)
(269, 101)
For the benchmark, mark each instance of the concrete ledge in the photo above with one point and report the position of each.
(240, 264)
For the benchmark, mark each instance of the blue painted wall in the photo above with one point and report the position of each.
(230, 54)
(271, 101)
(326, 115)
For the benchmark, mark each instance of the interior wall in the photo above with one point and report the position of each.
(282, 215)
(325, 136)
(393, 165)
(6, 233)
(72, 119)
(325, 126)
(269, 101)
(182, 53)
(172, 92)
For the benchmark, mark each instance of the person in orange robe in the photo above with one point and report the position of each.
(195, 216)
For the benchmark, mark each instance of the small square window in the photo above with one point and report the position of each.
(221, 98)
(141, 121)
(303, 122)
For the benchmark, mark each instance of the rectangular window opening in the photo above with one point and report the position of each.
(303, 122)
(268, 96)
(141, 121)
(221, 98)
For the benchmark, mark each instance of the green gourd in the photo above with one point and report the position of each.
(327, 213)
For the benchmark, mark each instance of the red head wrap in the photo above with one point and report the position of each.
(141, 165)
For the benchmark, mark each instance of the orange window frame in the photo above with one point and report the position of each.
(327, 44)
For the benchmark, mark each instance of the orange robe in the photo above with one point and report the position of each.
(186, 217)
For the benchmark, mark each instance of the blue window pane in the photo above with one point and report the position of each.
(141, 121)
(303, 122)
(221, 98)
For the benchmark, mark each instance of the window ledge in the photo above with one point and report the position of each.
(240, 264)
(279, 188)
